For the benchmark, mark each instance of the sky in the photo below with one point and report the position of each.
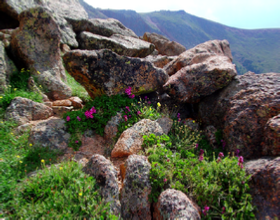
(247, 14)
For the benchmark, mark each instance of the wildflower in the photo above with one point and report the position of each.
(205, 210)
(146, 97)
(38, 72)
(1, 97)
(80, 194)
(76, 142)
(60, 168)
(164, 180)
(150, 109)
(17, 156)
(68, 118)
(224, 210)
(221, 154)
(128, 91)
(196, 146)
(88, 114)
(125, 117)
(132, 96)
(15, 89)
(20, 161)
(201, 152)
(149, 102)
(42, 161)
(158, 104)
(219, 159)
(129, 116)
(127, 108)
(193, 121)
(30, 145)
(200, 158)
(139, 113)
(240, 162)
(167, 160)
(79, 119)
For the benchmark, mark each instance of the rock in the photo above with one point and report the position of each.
(103, 27)
(59, 111)
(210, 131)
(165, 123)
(265, 186)
(106, 176)
(105, 72)
(242, 111)
(164, 45)
(130, 141)
(23, 110)
(61, 11)
(50, 133)
(76, 102)
(36, 43)
(191, 83)
(173, 204)
(64, 102)
(136, 189)
(64, 48)
(199, 54)
(271, 144)
(111, 128)
(33, 87)
(122, 45)
(7, 68)
(159, 60)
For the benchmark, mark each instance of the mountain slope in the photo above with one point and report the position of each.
(254, 50)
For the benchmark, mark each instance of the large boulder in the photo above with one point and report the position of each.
(36, 43)
(173, 204)
(7, 68)
(122, 45)
(106, 176)
(164, 45)
(136, 189)
(265, 186)
(104, 27)
(130, 141)
(23, 110)
(271, 143)
(105, 72)
(50, 133)
(242, 111)
(61, 11)
(159, 60)
(191, 83)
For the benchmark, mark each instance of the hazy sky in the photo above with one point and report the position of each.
(249, 14)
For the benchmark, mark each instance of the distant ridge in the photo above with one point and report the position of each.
(252, 50)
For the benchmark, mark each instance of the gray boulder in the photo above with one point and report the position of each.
(122, 45)
(106, 176)
(105, 72)
(36, 43)
(7, 68)
(23, 110)
(136, 189)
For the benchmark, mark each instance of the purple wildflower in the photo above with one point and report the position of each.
(201, 158)
(129, 116)
(146, 97)
(128, 91)
(76, 142)
(240, 159)
(125, 117)
(224, 210)
(196, 146)
(221, 154)
(79, 119)
(205, 210)
(139, 113)
(201, 152)
(149, 102)
(164, 180)
(68, 118)
(132, 96)
(127, 108)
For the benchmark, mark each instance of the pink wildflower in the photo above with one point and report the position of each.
(164, 180)
(201, 158)
(221, 154)
(68, 118)
(125, 117)
(224, 210)
(132, 96)
(139, 113)
(76, 142)
(79, 119)
(205, 210)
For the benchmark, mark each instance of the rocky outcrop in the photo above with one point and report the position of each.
(122, 45)
(265, 186)
(191, 83)
(242, 110)
(105, 72)
(165, 123)
(271, 143)
(36, 43)
(23, 110)
(61, 11)
(164, 45)
(136, 189)
(159, 60)
(199, 54)
(50, 133)
(106, 176)
(103, 27)
(130, 141)
(7, 68)
(173, 204)
(111, 128)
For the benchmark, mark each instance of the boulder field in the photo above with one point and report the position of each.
(105, 57)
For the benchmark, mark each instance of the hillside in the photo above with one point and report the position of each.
(254, 50)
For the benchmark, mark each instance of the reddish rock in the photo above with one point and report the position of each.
(106, 176)
(105, 72)
(164, 45)
(173, 204)
(265, 186)
(130, 141)
(76, 102)
(23, 110)
(50, 133)
(242, 110)
(136, 189)
(65, 102)
(271, 144)
(104, 27)
(36, 44)
(59, 111)
(122, 45)
(111, 128)
(191, 83)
